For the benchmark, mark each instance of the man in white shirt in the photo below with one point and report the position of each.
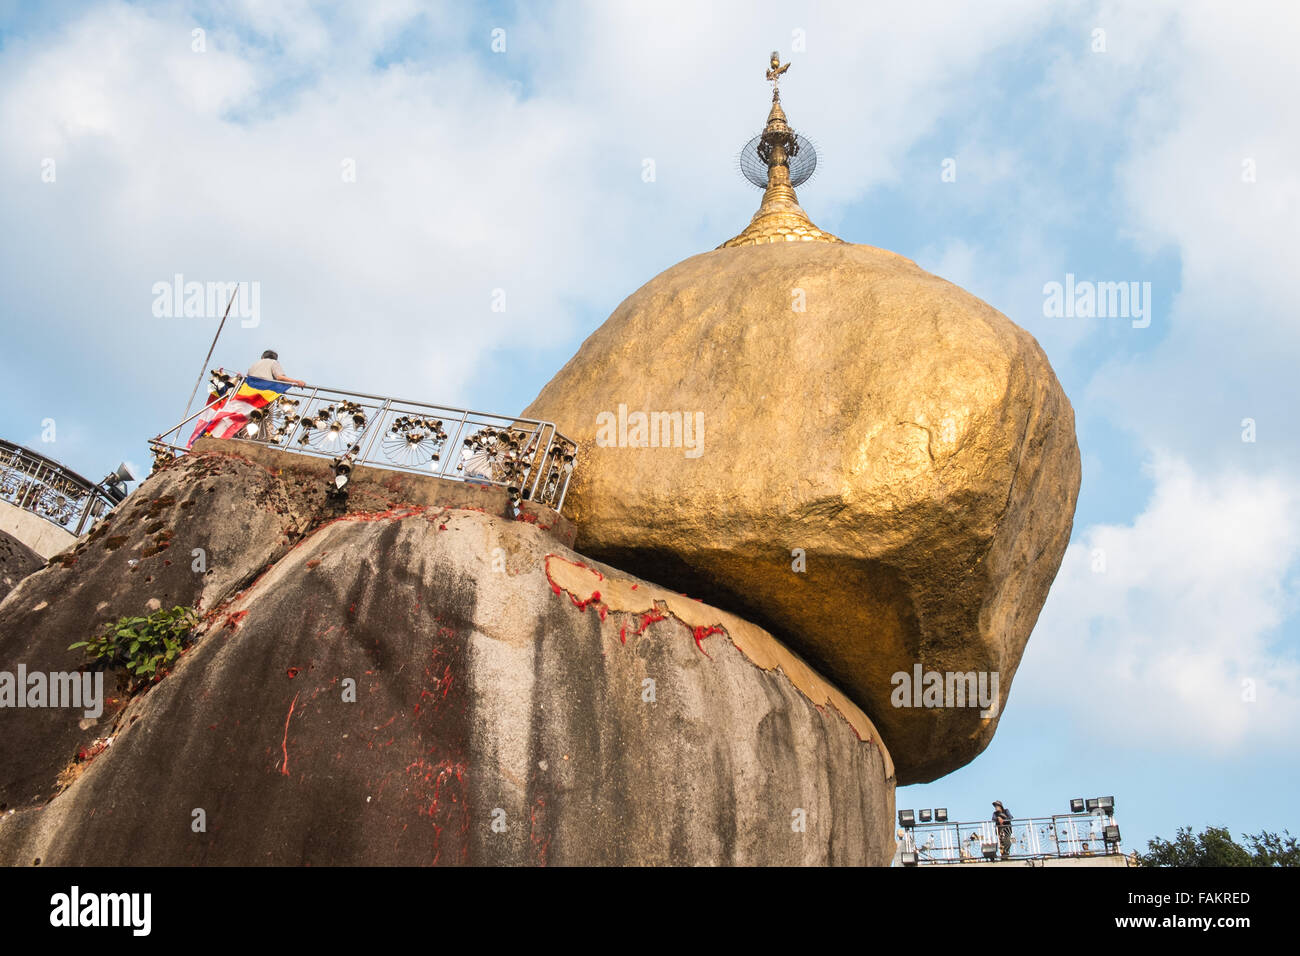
(269, 367)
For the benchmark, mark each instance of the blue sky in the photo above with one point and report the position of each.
(521, 170)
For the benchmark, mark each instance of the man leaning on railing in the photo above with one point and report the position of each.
(269, 367)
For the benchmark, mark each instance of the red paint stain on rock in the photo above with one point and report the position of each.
(701, 633)
(284, 744)
(650, 617)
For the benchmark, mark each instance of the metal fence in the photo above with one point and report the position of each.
(529, 458)
(42, 486)
(1064, 835)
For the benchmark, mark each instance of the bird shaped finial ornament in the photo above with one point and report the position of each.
(774, 73)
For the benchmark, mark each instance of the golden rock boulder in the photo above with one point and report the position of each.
(862, 457)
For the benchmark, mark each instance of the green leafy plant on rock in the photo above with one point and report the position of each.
(142, 646)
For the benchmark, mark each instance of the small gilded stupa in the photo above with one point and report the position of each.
(780, 217)
(861, 457)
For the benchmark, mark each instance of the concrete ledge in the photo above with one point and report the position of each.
(1051, 862)
(378, 489)
(44, 537)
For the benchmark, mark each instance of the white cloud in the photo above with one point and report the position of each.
(172, 161)
(1200, 90)
(1154, 648)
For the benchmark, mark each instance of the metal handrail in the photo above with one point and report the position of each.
(1064, 835)
(38, 484)
(528, 457)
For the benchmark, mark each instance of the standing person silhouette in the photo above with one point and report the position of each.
(1002, 820)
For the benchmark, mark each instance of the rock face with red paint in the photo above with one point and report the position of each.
(192, 535)
(426, 685)
(188, 536)
(832, 442)
(16, 562)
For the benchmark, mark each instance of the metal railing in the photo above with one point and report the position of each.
(42, 486)
(527, 457)
(1063, 835)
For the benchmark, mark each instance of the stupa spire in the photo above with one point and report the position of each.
(780, 217)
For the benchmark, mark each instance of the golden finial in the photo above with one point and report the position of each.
(779, 217)
(775, 72)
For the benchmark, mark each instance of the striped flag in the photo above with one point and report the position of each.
(218, 389)
(225, 419)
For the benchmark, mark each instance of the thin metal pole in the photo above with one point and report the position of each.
(559, 505)
(541, 463)
(211, 348)
(33, 479)
(85, 513)
(288, 439)
(375, 427)
(569, 474)
(455, 446)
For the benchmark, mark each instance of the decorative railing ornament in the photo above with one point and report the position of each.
(412, 441)
(328, 429)
(558, 465)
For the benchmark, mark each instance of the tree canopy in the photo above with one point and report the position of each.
(1214, 846)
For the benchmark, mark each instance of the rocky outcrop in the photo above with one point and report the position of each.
(193, 535)
(873, 464)
(16, 562)
(189, 536)
(428, 684)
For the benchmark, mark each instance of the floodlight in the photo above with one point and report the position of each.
(906, 819)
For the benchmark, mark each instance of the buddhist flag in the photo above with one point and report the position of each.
(218, 389)
(225, 419)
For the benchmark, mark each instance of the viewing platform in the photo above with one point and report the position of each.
(46, 505)
(1086, 836)
(525, 459)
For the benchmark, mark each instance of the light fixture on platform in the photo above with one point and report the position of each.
(115, 483)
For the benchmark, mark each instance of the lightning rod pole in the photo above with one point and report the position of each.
(212, 348)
